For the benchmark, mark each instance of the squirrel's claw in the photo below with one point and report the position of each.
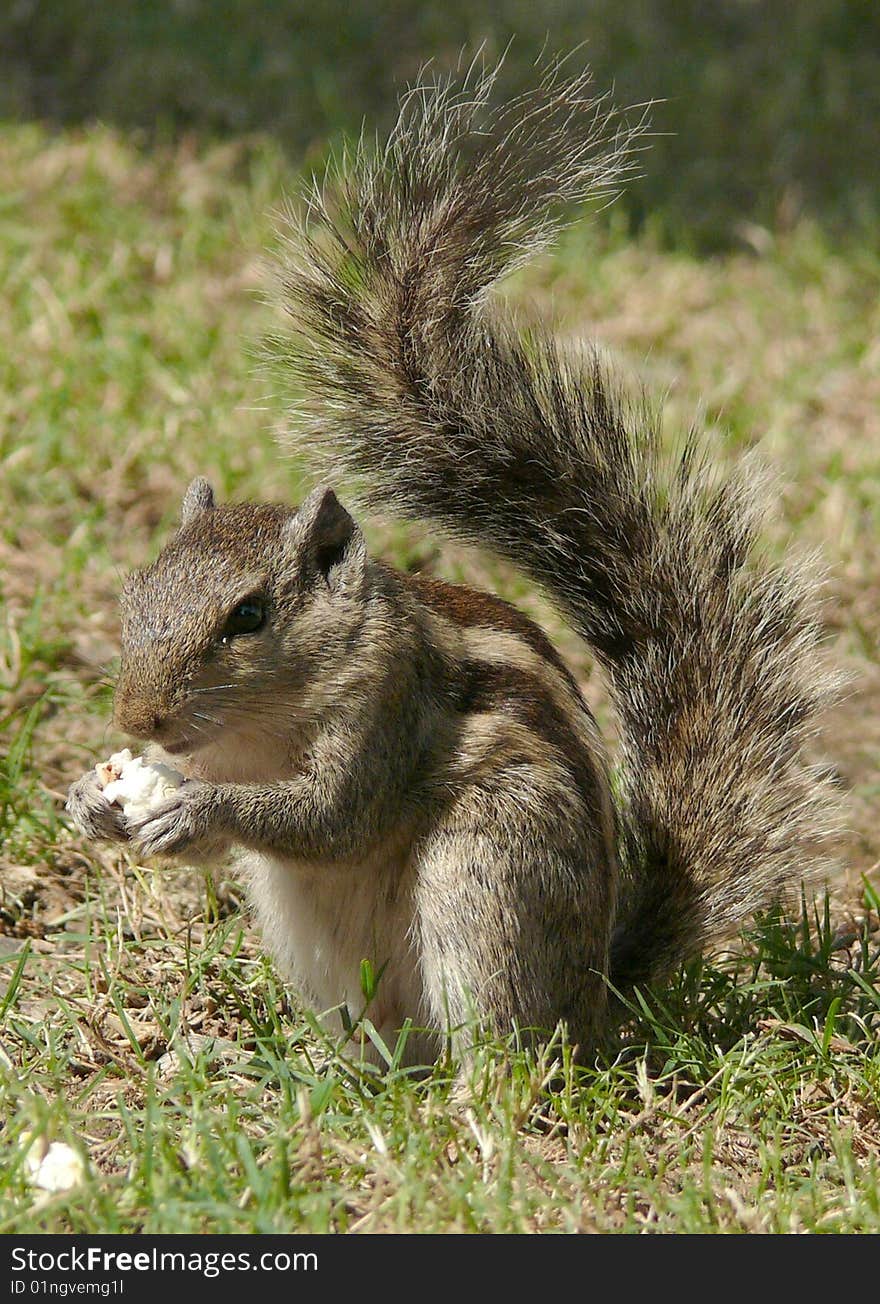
(180, 823)
(91, 812)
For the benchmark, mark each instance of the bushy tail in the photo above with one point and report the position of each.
(418, 389)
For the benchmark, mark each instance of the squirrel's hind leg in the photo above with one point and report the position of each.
(513, 934)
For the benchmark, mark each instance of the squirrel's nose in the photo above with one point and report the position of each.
(140, 718)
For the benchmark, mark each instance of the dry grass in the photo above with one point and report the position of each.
(143, 1022)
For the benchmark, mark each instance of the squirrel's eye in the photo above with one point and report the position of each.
(246, 618)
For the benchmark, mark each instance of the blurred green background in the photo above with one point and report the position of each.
(771, 108)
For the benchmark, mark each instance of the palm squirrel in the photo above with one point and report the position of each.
(407, 768)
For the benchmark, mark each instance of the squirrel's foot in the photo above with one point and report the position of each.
(184, 822)
(92, 813)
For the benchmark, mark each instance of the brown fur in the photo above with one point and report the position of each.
(415, 383)
(467, 608)
(367, 760)
(409, 767)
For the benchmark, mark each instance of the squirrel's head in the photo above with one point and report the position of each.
(251, 613)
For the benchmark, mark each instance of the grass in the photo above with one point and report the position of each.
(139, 1020)
(763, 112)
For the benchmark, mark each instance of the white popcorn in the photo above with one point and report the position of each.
(55, 1167)
(135, 785)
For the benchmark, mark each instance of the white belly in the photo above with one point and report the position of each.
(320, 922)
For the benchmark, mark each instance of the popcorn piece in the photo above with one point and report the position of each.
(107, 771)
(136, 786)
(55, 1167)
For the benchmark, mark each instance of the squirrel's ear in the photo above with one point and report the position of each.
(327, 538)
(198, 499)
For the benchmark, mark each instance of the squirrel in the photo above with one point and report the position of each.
(407, 768)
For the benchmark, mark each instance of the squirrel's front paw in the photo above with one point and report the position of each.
(92, 813)
(185, 821)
